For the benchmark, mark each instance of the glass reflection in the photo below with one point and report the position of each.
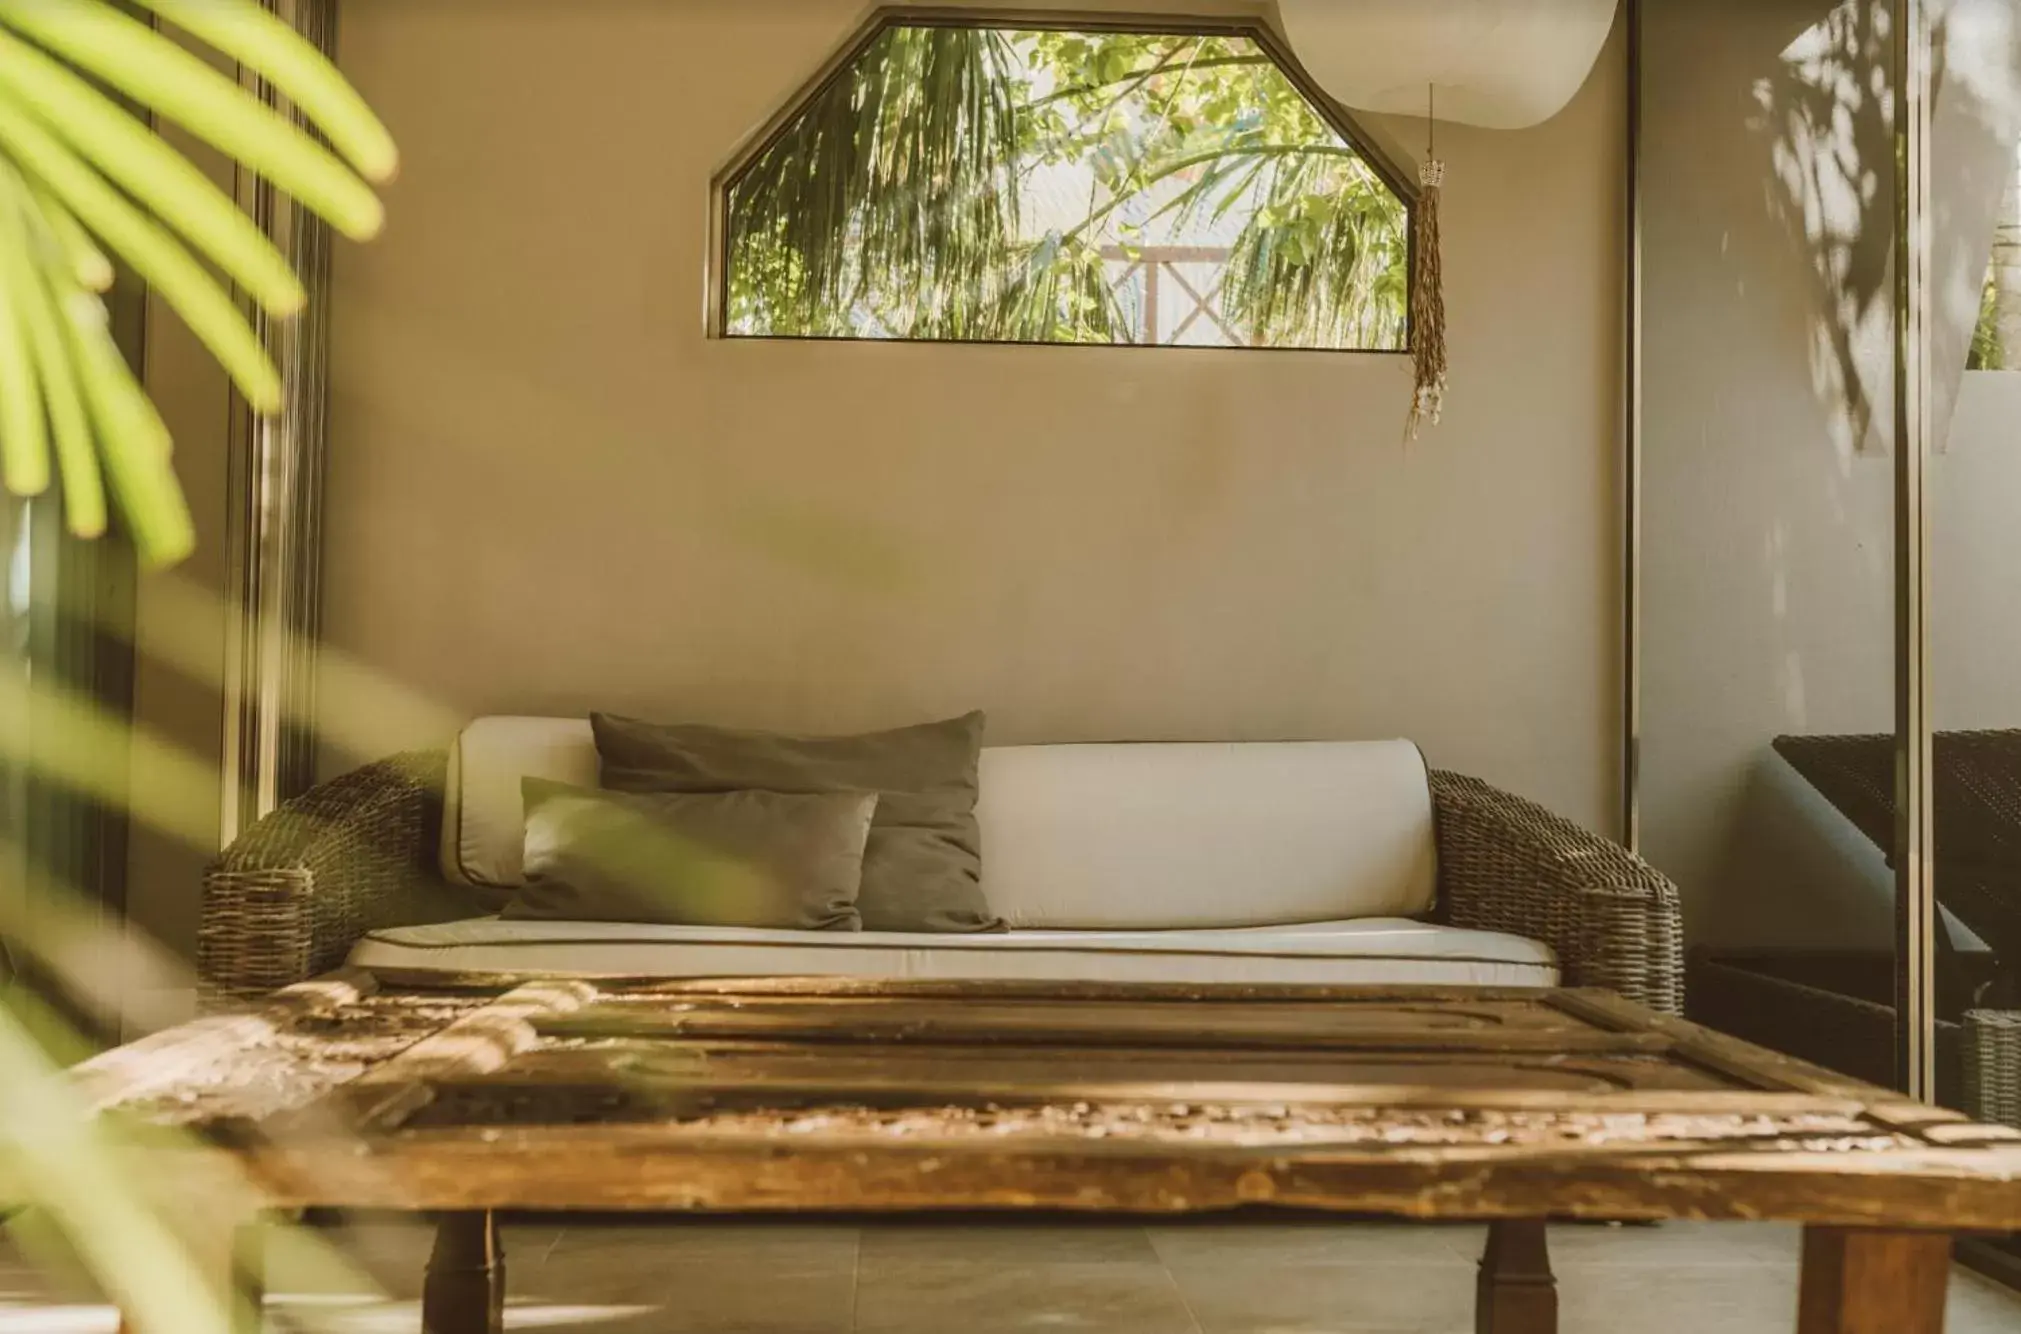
(1768, 195)
(1974, 489)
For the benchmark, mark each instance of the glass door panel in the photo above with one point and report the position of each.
(1767, 195)
(1974, 516)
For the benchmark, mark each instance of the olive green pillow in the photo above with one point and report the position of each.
(922, 869)
(743, 859)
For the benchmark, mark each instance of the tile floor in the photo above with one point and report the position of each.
(980, 1276)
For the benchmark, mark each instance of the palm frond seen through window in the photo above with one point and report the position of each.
(971, 183)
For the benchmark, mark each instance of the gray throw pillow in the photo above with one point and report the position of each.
(750, 859)
(922, 869)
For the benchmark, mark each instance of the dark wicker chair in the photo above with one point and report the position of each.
(1976, 781)
(291, 896)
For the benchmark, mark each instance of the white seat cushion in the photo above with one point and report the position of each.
(1370, 950)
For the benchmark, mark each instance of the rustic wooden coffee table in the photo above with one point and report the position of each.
(1510, 1106)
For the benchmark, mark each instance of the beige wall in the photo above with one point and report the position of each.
(551, 492)
(1975, 559)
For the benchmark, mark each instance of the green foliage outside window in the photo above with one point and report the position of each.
(1989, 349)
(918, 195)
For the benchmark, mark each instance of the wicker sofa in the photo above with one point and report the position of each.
(359, 855)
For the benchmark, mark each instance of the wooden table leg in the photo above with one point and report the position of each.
(464, 1292)
(1868, 1281)
(1516, 1293)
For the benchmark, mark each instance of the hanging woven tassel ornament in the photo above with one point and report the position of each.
(1428, 298)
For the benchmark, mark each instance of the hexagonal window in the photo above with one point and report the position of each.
(945, 181)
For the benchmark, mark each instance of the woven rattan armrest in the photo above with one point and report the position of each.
(1507, 864)
(290, 896)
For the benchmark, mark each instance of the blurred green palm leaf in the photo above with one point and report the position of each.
(84, 179)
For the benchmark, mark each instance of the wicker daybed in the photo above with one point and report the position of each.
(291, 897)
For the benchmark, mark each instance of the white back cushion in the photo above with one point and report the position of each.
(1153, 837)
(483, 815)
(1106, 837)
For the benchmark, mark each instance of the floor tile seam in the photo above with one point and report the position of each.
(855, 1280)
(1178, 1290)
(553, 1245)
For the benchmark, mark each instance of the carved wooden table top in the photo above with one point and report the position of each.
(831, 1094)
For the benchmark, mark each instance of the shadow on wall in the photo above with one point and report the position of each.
(1816, 882)
(1826, 113)
(1824, 118)
(1813, 880)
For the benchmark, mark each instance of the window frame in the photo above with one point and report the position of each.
(716, 272)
